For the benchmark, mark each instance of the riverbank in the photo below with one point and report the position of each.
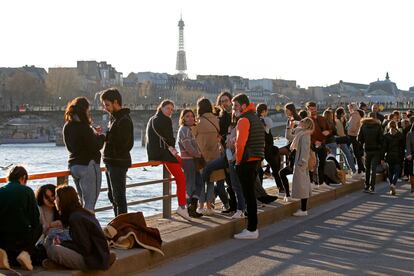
(181, 237)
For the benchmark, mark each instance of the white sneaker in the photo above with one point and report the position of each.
(247, 235)
(356, 176)
(4, 261)
(25, 261)
(183, 212)
(208, 212)
(238, 215)
(326, 186)
(287, 199)
(314, 186)
(300, 213)
(200, 210)
(334, 185)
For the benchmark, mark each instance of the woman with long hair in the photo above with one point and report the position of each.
(83, 143)
(293, 120)
(161, 147)
(49, 215)
(189, 152)
(207, 134)
(301, 186)
(88, 248)
(343, 140)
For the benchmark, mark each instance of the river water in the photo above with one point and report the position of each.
(47, 157)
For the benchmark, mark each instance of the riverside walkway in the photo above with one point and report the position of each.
(359, 234)
(182, 238)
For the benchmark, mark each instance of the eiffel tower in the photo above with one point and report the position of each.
(181, 65)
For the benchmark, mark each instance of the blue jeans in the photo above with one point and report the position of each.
(88, 180)
(235, 184)
(193, 182)
(217, 164)
(116, 177)
(332, 148)
(349, 158)
(394, 173)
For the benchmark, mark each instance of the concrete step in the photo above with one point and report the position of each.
(181, 237)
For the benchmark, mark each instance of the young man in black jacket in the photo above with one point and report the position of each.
(119, 142)
(371, 138)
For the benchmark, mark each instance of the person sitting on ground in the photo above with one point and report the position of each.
(331, 170)
(20, 228)
(49, 215)
(88, 249)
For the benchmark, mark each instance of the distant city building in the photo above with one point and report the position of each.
(21, 85)
(101, 72)
(266, 84)
(383, 91)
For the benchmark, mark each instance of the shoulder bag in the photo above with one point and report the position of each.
(172, 150)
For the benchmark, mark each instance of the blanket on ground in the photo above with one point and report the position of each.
(130, 230)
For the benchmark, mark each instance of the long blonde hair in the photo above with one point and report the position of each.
(307, 124)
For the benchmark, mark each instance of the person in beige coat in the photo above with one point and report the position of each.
(208, 138)
(301, 186)
(354, 125)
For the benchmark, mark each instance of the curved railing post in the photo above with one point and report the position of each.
(166, 192)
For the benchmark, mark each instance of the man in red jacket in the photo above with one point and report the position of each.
(250, 143)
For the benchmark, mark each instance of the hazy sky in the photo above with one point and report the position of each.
(316, 42)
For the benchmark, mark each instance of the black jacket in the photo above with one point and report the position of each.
(256, 140)
(393, 149)
(119, 140)
(82, 143)
(88, 240)
(370, 135)
(224, 123)
(157, 150)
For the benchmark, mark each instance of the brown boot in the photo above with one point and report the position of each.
(412, 183)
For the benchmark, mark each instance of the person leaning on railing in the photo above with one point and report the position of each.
(190, 153)
(161, 147)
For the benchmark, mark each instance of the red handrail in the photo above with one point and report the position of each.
(67, 173)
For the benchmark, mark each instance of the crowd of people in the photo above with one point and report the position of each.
(220, 153)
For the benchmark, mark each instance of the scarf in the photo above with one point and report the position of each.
(299, 133)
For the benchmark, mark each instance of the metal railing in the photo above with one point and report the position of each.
(62, 178)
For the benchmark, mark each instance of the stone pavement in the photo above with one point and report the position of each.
(358, 234)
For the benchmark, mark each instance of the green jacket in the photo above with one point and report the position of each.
(19, 213)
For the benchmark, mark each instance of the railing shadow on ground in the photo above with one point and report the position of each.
(373, 238)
